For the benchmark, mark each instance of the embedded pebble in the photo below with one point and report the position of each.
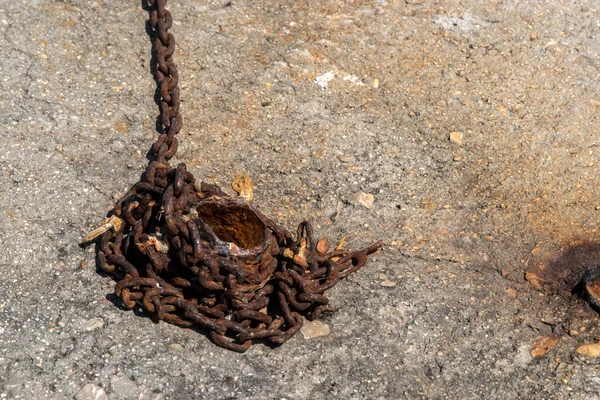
(176, 346)
(365, 199)
(388, 283)
(118, 146)
(123, 386)
(523, 356)
(91, 392)
(313, 329)
(590, 350)
(93, 323)
(456, 138)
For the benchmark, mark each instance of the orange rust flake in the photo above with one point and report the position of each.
(543, 345)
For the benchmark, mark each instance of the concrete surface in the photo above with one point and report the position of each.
(473, 124)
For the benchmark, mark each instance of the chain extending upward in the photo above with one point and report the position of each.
(168, 78)
(195, 257)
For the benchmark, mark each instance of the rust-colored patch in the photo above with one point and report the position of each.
(543, 345)
(563, 271)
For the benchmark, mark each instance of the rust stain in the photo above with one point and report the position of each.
(543, 345)
(69, 23)
(562, 271)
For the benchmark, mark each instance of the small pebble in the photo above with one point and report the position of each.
(388, 283)
(523, 356)
(176, 346)
(123, 386)
(93, 323)
(313, 329)
(511, 292)
(91, 392)
(118, 146)
(322, 246)
(456, 138)
(590, 350)
(365, 199)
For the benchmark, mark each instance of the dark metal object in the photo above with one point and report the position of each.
(196, 257)
(588, 287)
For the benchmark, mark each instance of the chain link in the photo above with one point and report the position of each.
(192, 256)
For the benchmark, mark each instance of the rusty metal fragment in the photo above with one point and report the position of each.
(193, 256)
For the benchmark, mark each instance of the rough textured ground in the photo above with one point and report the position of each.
(318, 101)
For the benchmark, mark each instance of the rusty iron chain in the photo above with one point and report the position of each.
(193, 256)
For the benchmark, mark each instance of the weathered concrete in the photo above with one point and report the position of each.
(473, 125)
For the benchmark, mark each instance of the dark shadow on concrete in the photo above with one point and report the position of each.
(564, 273)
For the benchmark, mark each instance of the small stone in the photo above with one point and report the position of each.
(345, 159)
(511, 292)
(15, 381)
(16, 176)
(118, 146)
(313, 329)
(388, 283)
(590, 350)
(123, 386)
(93, 323)
(523, 356)
(543, 345)
(536, 251)
(91, 392)
(322, 246)
(176, 346)
(365, 199)
(456, 138)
